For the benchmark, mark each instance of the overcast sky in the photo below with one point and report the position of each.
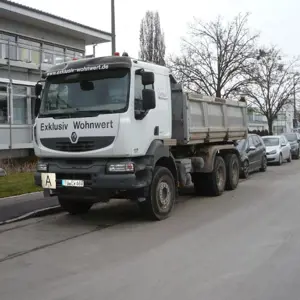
(278, 21)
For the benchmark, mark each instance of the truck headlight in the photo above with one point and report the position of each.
(126, 167)
(42, 167)
(272, 152)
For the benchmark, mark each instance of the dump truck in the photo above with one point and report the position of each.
(117, 127)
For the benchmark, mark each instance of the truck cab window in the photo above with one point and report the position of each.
(138, 95)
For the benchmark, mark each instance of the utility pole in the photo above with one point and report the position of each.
(295, 120)
(294, 92)
(113, 28)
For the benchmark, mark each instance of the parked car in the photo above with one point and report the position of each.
(294, 140)
(278, 149)
(2, 172)
(253, 155)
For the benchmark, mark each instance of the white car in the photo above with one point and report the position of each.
(278, 149)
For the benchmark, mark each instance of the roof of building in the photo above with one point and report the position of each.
(15, 11)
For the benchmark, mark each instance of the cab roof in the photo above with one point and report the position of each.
(101, 63)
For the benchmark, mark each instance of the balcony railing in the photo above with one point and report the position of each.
(37, 55)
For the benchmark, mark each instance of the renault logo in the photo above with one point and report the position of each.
(74, 138)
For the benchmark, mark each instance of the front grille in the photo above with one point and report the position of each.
(83, 144)
(77, 176)
(79, 147)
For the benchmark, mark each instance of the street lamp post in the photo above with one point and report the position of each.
(294, 94)
(113, 27)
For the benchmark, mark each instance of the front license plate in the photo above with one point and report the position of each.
(48, 180)
(72, 183)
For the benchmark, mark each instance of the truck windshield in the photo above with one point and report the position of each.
(98, 92)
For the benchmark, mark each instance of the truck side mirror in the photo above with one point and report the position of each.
(38, 89)
(147, 78)
(148, 99)
(37, 106)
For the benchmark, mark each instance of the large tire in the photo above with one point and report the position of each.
(74, 207)
(289, 158)
(232, 171)
(245, 169)
(279, 163)
(216, 181)
(264, 164)
(162, 195)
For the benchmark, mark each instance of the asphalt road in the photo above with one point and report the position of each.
(242, 245)
(15, 207)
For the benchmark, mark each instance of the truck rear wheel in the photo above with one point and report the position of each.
(74, 207)
(232, 171)
(216, 181)
(161, 199)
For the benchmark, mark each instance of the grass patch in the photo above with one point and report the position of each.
(17, 184)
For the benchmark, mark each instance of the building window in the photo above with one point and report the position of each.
(32, 100)
(59, 55)
(19, 104)
(8, 51)
(3, 103)
(29, 51)
(48, 55)
(78, 55)
(70, 55)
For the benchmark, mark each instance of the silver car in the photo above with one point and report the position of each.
(278, 149)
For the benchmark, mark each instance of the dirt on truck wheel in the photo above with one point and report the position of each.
(232, 171)
(211, 184)
(216, 181)
(162, 193)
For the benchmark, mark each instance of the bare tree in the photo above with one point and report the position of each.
(273, 83)
(214, 56)
(152, 40)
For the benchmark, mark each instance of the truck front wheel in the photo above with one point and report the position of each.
(161, 198)
(74, 207)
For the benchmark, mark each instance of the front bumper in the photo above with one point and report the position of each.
(294, 151)
(98, 183)
(273, 157)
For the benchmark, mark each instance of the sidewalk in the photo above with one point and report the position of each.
(18, 206)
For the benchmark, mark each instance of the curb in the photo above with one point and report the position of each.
(34, 214)
(21, 195)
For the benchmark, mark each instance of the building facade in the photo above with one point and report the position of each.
(283, 122)
(31, 41)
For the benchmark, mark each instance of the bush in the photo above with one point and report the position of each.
(19, 165)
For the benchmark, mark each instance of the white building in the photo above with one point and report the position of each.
(283, 123)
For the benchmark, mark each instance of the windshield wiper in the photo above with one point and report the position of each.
(59, 113)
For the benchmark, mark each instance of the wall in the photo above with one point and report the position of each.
(40, 34)
(20, 73)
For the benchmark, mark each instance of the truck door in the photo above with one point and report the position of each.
(155, 124)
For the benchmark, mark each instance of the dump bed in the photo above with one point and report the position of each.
(202, 119)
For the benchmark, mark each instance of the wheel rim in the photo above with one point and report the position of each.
(220, 176)
(235, 172)
(246, 168)
(280, 158)
(163, 196)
